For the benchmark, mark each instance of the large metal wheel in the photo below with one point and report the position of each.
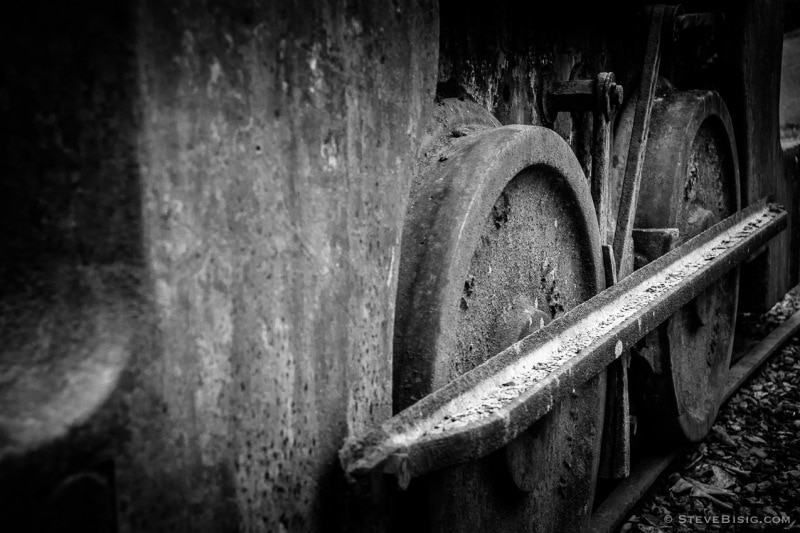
(500, 239)
(690, 181)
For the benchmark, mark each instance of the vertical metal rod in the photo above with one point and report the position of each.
(615, 450)
(601, 150)
(638, 142)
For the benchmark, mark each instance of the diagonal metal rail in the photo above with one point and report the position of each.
(486, 408)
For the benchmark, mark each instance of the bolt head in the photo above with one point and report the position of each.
(616, 95)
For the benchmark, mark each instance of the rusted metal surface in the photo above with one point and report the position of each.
(791, 192)
(485, 408)
(202, 206)
(615, 451)
(501, 233)
(753, 42)
(450, 211)
(614, 509)
(201, 229)
(659, 19)
(690, 180)
(697, 56)
(617, 506)
(615, 458)
(491, 58)
(651, 243)
(609, 96)
(703, 21)
(601, 94)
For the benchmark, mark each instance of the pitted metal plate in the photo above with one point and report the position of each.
(529, 264)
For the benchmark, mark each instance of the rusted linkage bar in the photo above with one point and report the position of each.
(486, 408)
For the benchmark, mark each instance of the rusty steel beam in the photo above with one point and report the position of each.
(486, 408)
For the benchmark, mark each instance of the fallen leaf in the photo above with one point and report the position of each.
(758, 452)
(681, 486)
(700, 493)
(652, 520)
(722, 435)
(720, 478)
(705, 491)
(734, 470)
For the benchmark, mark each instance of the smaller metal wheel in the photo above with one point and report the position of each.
(690, 182)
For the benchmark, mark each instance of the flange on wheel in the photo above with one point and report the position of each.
(500, 238)
(690, 181)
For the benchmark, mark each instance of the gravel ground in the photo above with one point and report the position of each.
(746, 475)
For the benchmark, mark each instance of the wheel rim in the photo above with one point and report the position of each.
(501, 238)
(690, 182)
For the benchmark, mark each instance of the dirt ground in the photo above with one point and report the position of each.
(745, 476)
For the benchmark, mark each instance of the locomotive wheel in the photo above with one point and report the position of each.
(690, 182)
(500, 238)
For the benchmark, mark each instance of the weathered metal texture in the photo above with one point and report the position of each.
(601, 94)
(615, 457)
(789, 109)
(486, 408)
(278, 145)
(618, 505)
(243, 169)
(446, 215)
(501, 57)
(753, 41)
(500, 232)
(615, 451)
(609, 99)
(660, 20)
(791, 181)
(692, 135)
(691, 181)
(598, 99)
(651, 243)
(698, 53)
(72, 276)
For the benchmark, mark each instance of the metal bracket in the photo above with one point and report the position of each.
(601, 94)
(651, 243)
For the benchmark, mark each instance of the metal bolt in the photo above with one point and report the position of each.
(608, 94)
(616, 95)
